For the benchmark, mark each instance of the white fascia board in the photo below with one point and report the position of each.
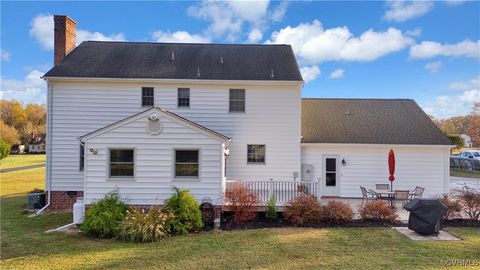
(360, 145)
(172, 81)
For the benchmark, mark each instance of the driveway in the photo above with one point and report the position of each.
(22, 168)
(458, 182)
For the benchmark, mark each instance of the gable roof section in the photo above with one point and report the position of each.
(368, 121)
(100, 59)
(176, 117)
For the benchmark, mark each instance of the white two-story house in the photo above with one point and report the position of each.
(142, 118)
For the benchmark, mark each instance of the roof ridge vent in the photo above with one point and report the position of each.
(198, 72)
(221, 60)
(172, 57)
(272, 75)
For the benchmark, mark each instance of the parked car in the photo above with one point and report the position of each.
(470, 154)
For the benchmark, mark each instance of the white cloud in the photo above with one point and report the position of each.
(415, 32)
(255, 36)
(41, 28)
(452, 105)
(179, 36)
(4, 55)
(400, 10)
(314, 44)
(310, 73)
(454, 2)
(337, 74)
(229, 18)
(430, 49)
(434, 67)
(32, 89)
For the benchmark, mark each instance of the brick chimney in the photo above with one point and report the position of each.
(65, 33)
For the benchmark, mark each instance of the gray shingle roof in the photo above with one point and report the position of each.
(97, 59)
(368, 121)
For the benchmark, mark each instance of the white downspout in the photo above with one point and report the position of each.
(48, 172)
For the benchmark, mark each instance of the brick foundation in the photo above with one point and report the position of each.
(62, 201)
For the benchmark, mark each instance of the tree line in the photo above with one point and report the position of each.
(18, 122)
(468, 124)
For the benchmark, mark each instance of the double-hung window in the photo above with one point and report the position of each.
(183, 97)
(256, 154)
(186, 163)
(122, 164)
(147, 96)
(237, 100)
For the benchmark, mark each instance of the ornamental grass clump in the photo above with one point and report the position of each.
(186, 213)
(104, 216)
(144, 226)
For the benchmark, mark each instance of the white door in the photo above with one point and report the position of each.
(331, 176)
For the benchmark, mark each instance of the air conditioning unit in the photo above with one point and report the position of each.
(36, 200)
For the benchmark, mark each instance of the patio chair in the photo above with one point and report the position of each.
(417, 192)
(367, 195)
(382, 186)
(401, 196)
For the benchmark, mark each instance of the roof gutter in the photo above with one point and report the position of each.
(173, 81)
(359, 145)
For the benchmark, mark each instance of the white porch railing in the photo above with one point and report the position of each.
(284, 191)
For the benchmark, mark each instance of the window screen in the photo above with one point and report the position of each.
(237, 100)
(147, 96)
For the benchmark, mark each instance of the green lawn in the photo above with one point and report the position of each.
(24, 245)
(22, 160)
(459, 173)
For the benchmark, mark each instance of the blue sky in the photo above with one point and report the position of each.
(427, 51)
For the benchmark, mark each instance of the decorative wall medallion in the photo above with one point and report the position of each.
(154, 126)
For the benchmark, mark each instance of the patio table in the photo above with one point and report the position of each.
(386, 192)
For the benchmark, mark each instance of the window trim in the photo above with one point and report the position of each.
(178, 98)
(174, 166)
(244, 100)
(121, 178)
(153, 96)
(264, 155)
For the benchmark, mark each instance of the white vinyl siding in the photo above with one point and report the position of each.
(154, 163)
(272, 117)
(367, 166)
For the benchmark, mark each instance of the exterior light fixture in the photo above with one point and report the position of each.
(344, 163)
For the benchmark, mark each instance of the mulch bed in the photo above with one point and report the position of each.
(262, 222)
(461, 223)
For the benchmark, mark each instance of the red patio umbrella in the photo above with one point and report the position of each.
(391, 167)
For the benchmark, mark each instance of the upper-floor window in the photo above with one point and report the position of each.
(183, 97)
(256, 153)
(237, 100)
(121, 163)
(147, 96)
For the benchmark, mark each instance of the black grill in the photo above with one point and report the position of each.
(425, 215)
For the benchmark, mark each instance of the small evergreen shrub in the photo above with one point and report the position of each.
(104, 216)
(271, 209)
(4, 149)
(144, 226)
(303, 210)
(186, 213)
(336, 212)
(242, 202)
(377, 211)
(469, 199)
(454, 207)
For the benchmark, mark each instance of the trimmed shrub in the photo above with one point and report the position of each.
(454, 207)
(144, 226)
(4, 149)
(186, 213)
(336, 212)
(271, 209)
(103, 218)
(469, 198)
(377, 211)
(242, 202)
(303, 210)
